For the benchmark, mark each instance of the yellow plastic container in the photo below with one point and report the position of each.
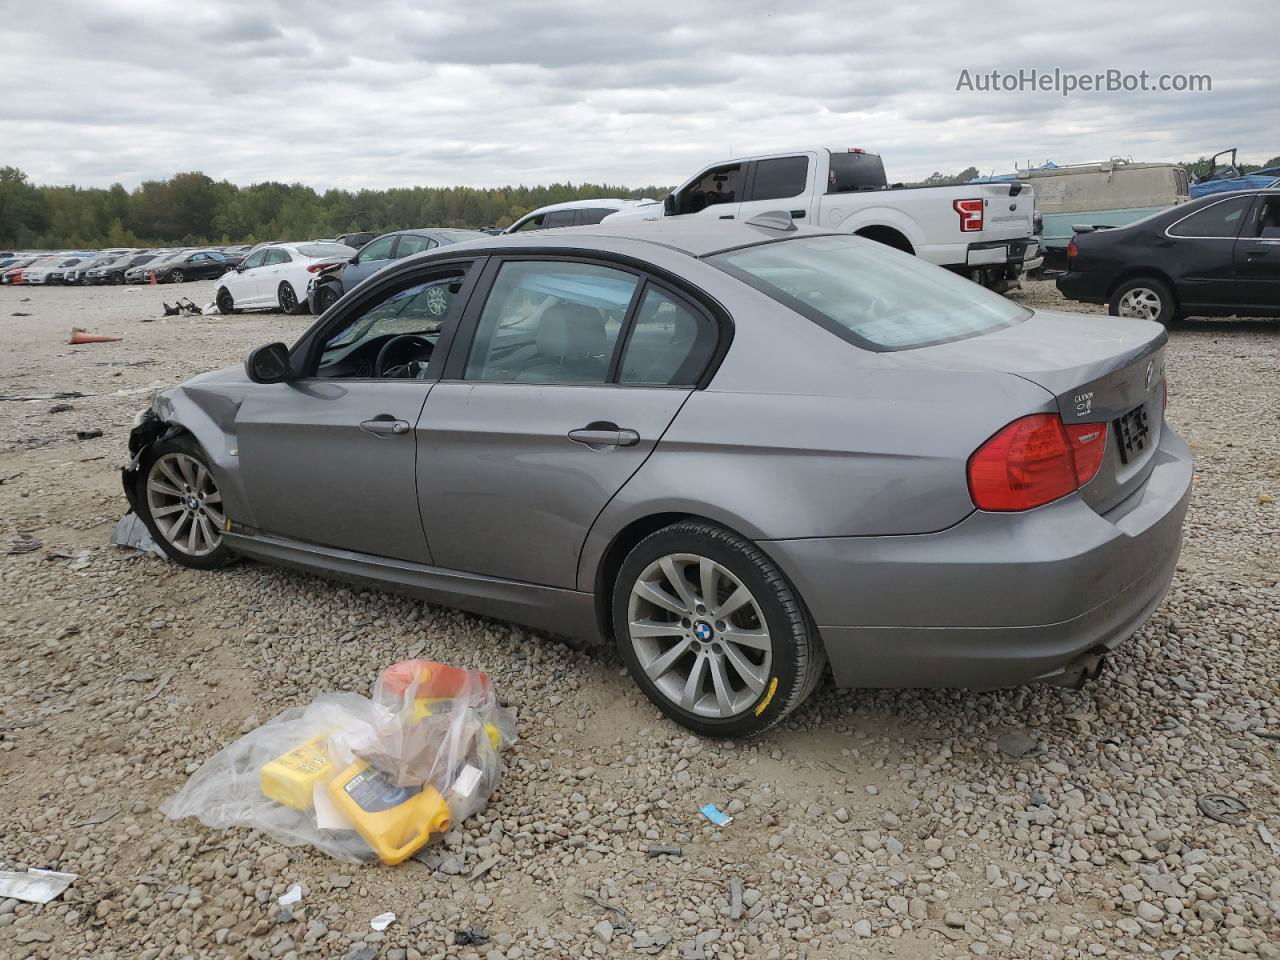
(394, 821)
(291, 777)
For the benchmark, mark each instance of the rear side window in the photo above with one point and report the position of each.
(1221, 219)
(550, 322)
(669, 344)
(559, 218)
(779, 178)
(276, 255)
(588, 215)
(869, 294)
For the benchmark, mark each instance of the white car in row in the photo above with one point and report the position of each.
(577, 213)
(275, 277)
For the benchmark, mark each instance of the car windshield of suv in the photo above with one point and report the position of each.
(868, 294)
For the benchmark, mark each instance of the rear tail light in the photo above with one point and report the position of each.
(970, 214)
(1035, 460)
(317, 267)
(1072, 250)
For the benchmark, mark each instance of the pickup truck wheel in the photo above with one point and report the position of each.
(1144, 298)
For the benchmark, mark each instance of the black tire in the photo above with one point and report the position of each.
(183, 445)
(326, 297)
(1161, 303)
(798, 659)
(117, 278)
(287, 299)
(177, 276)
(226, 303)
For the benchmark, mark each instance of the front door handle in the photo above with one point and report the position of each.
(798, 214)
(1259, 251)
(385, 426)
(726, 216)
(602, 435)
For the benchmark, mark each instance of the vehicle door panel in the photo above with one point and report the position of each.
(503, 489)
(780, 183)
(368, 261)
(716, 193)
(1203, 253)
(1257, 258)
(313, 473)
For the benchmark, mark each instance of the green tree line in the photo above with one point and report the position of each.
(192, 208)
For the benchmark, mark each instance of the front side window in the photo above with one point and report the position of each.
(718, 186)
(550, 322)
(395, 336)
(780, 178)
(869, 294)
(256, 259)
(669, 344)
(1221, 219)
(533, 223)
(379, 249)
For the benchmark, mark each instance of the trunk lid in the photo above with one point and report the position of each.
(1006, 217)
(1103, 370)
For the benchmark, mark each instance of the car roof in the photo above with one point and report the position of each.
(578, 204)
(695, 236)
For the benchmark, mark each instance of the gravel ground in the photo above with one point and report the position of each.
(1033, 822)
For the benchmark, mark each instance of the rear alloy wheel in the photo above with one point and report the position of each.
(1144, 298)
(117, 278)
(177, 276)
(287, 298)
(712, 632)
(182, 505)
(226, 303)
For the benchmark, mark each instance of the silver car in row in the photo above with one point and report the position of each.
(743, 451)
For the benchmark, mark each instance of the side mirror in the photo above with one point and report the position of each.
(268, 364)
(669, 204)
(354, 260)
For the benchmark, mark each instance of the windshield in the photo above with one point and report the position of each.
(869, 294)
(855, 171)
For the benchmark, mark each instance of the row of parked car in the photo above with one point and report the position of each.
(90, 267)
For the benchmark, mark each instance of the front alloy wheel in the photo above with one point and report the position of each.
(288, 299)
(177, 276)
(185, 504)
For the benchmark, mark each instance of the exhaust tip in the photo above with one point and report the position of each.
(1079, 671)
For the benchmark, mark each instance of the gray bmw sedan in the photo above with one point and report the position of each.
(743, 451)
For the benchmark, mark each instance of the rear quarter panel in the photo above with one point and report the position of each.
(801, 434)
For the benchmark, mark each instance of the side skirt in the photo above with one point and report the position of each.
(551, 609)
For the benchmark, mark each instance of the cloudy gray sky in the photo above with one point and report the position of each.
(383, 92)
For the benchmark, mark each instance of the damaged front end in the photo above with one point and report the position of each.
(147, 429)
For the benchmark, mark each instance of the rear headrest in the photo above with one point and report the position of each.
(570, 331)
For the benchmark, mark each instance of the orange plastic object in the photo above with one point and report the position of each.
(79, 336)
(435, 681)
(394, 821)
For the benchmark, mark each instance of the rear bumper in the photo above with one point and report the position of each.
(1085, 287)
(998, 599)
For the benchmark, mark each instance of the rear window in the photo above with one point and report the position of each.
(855, 171)
(868, 294)
(326, 250)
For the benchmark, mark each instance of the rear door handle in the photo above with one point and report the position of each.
(1259, 251)
(726, 216)
(599, 436)
(798, 214)
(385, 426)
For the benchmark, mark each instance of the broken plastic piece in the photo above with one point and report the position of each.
(35, 886)
(290, 896)
(130, 531)
(382, 921)
(714, 814)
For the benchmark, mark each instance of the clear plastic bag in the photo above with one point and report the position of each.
(357, 778)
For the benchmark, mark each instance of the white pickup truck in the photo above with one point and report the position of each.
(984, 231)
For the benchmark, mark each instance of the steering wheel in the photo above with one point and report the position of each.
(382, 365)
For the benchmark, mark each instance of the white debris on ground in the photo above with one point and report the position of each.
(1036, 822)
